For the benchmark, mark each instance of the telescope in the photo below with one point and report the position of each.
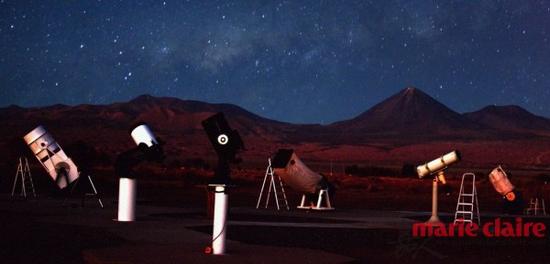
(142, 134)
(52, 157)
(501, 183)
(315, 188)
(227, 143)
(148, 149)
(295, 173)
(437, 168)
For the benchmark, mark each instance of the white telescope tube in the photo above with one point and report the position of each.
(126, 200)
(438, 164)
(52, 157)
(437, 167)
(143, 134)
(220, 217)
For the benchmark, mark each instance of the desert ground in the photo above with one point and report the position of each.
(371, 224)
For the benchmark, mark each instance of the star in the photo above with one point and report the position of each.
(326, 55)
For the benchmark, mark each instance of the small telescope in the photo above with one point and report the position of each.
(52, 157)
(437, 168)
(148, 149)
(501, 183)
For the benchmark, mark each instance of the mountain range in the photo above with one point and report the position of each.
(410, 117)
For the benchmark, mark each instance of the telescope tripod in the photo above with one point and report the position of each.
(85, 195)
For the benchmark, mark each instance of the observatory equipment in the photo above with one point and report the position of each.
(58, 165)
(501, 183)
(148, 149)
(227, 143)
(272, 180)
(294, 173)
(467, 205)
(437, 168)
(438, 165)
(511, 197)
(52, 157)
(24, 176)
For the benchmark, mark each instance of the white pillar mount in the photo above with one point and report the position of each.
(220, 218)
(127, 200)
(434, 219)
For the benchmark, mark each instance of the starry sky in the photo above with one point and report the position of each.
(295, 61)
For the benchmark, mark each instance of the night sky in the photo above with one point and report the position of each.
(296, 61)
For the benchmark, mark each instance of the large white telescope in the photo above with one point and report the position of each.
(295, 173)
(437, 168)
(52, 157)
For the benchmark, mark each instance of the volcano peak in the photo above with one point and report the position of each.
(408, 111)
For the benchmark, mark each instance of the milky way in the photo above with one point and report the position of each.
(296, 61)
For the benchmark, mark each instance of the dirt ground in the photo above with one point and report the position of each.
(370, 225)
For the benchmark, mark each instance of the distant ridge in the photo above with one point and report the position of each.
(409, 116)
(509, 118)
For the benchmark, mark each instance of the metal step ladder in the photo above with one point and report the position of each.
(467, 206)
(536, 207)
(23, 175)
(278, 192)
